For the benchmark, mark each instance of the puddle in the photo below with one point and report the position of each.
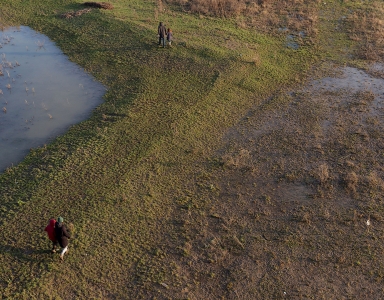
(353, 81)
(335, 93)
(292, 39)
(290, 42)
(42, 93)
(305, 149)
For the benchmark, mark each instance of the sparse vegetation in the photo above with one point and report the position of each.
(366, 26)
(267, 15)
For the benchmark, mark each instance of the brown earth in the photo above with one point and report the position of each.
(296, 211)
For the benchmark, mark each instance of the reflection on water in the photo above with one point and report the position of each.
(42, 93)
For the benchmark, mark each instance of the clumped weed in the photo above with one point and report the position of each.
(238, 160)
(322, 173)
(256, 60)
(375, 182)
(40, 44)
(9, 65)
(365, 96)
(350, 181)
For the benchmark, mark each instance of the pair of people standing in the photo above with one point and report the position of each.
(58, 234)
(164, 33)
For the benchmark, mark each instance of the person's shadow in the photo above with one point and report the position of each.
(25, 254)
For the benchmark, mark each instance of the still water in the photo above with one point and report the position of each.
(42, 93)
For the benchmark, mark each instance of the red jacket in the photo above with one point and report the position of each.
(50, 229)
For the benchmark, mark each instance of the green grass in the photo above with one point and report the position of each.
(122, 176)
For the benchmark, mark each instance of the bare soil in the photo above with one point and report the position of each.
(299, 193)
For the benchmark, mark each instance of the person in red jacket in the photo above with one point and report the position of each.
(50, 229)
(169, 36)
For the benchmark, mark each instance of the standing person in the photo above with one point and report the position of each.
(162, 32)
(62, 236)
(50, 229)
(169, 36)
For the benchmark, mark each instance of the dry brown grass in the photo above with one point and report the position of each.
(238, 160)
(350, 180)
(323, 173)
(367, 27)
(375, 182)
(365, 97)
(265, 15)
(71, 14)
(256, 60)
(368, 51)
(222, 8)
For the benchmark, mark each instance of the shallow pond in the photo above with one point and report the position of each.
(354, 80)
(42, 93)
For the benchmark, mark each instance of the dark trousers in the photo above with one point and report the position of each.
(55, 244)
(161, 40)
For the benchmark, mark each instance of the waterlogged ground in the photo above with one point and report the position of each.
(352, 80)
(300, 206)
(42, 93)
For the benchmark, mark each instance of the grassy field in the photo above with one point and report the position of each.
(169, 191)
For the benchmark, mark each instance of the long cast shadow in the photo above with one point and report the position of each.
(25, 254)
